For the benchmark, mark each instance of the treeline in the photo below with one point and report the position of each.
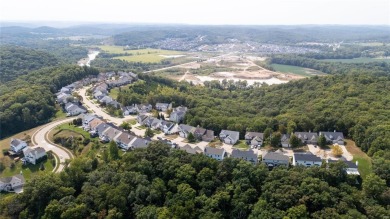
(16, 61)
(108, 64)
(28, 101)
(160, 182)
(357, 104)
(378, 68)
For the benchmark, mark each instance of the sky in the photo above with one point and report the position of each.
(214, 12)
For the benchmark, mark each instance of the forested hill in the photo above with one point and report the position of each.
(160, 182)
(28, 101)
(16, 61)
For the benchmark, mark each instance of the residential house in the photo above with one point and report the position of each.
(285, 140)
(13, 183)
(216, 153)
(166, 126)
(87, 118)
(129, 110)
(351, 167)
(273, 159)
(229, 137)
(141, 119)
(32, 155)
(99, 94)
(63, 98)
(74, 109)
(245, 155)
(307, 137)
(306, 159)
(178, 114)
(334, 137)
(208, 136)
(99, 129)
(143, 108)
(184, 130)
(17, 145)
(106, 100)
(163, 106)
(199, 132)
(139, 143)
(91, 126)
(254, 138)
(122, 80)
(109, 134)
(66, 90)
(124, 140)
(187, 148)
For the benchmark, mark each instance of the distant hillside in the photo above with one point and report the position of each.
(16, 61)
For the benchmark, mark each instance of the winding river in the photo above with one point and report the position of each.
(87, 61)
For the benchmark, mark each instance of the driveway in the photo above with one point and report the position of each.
(327, 153)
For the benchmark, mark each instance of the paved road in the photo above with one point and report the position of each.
(40, 139)
(99, 111)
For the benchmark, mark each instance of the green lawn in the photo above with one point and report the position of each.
(241, 144)
(295, 70)
(72, 128)
(115, 91)
(27, 170)
(356, 60)
(132, 121)
(364, 161)
(59, 114)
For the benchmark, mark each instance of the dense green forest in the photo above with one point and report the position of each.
(160, 182)
(16, 61)
(28, 101)
(358, 104)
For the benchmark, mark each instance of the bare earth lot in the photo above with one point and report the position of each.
(229, 67)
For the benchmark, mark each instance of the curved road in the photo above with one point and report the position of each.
(39, 138)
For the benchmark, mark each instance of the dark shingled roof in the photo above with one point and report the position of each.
(307, 157)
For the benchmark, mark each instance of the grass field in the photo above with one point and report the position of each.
(356, 60)
(139, 55)
(295, 70)
(27, 170)
(241, 144)
(115, 91)
(364, 161)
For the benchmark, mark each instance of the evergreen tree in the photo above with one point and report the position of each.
(322, 141)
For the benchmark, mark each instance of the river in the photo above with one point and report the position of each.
(87, 61)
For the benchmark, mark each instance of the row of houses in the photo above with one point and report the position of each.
(201, 134)
(107, 132)
(256, 138)
(273, 159)
(71, 105)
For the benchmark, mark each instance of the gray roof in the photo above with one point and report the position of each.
(306, 135)
(112, 132)
(124, 138)
(244, 154)
(140, 143)
(186, 128)
(9, 179)
(191, 150)
(251, 135)
(275, 156)
(214, 151)
(330, 136)
(306, 157)
(232, 134)
(101, 127)
(16, 142)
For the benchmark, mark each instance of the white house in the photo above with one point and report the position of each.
(17, 145)
(306, 159)
(216, 153)
(31, 155)
(229, 137)
(163, 106)
(11, 183)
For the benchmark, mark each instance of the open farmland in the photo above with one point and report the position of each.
(307, 72)
(142, 55)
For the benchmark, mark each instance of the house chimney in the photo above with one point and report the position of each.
(334, 130)
(357, 163)
(128, 136)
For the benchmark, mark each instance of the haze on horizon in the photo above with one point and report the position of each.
(243, 12)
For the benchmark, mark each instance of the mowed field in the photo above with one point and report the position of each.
(357, 60)
(140, 55)
(295, 70)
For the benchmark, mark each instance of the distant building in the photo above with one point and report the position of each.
(245, 155)
(334, 137)
(307, 137)
(229, 137)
